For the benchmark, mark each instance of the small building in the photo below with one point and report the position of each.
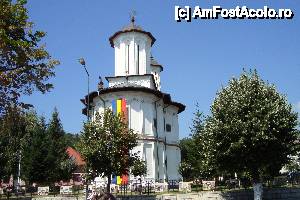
(78, 174)
(136, 87)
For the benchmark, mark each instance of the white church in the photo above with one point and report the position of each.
(150, 112)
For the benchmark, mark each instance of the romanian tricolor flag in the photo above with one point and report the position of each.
(120, 180)
(119, 107)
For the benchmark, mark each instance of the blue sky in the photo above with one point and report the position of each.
(198, 57)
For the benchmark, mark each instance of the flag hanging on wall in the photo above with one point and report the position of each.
(119, 107)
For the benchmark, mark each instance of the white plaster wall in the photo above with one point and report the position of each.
(173, 157)
(141, 114)
(175, 127)
(168, 120)
(147, 58)
(156, 73)
(148, 118)
(136, 116)
(138, 150)
(171, 117)
(160, 119)
(118, 57)
(144, 54)
(161, 157)
(133, 39)
(148, 156)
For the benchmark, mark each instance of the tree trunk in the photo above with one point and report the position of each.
(258, 191)
(108, 183)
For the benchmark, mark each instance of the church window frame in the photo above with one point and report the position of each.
(168, 127)
(155, 124)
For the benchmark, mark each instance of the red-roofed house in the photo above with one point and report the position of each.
(80, 163)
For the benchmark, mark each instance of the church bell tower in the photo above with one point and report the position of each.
(133, 52)
(135, 90)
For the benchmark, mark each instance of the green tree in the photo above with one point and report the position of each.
(252, 129)
(193, 165)
(293, 165)
(13, 139)
(71, 139)
(25, 65)
(139, 168)
(34, 163)
(105, 145)
(189, 159)
(62, 166)
(45, 160)
(40, 147)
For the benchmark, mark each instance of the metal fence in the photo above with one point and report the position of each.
(151, 188)
(147, 187)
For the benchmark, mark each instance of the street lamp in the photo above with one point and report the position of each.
(82, 62)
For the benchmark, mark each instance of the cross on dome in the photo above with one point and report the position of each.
(132, 16)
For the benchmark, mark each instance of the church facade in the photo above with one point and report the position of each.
(136, 89)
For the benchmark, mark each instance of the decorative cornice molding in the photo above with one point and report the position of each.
(164, 96)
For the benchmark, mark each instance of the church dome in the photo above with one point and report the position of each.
(132, 27)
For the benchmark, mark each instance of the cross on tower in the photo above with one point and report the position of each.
(132, 15)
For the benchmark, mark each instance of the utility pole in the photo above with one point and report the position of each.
(82, 62)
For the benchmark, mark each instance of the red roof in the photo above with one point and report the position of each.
(76, 155)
